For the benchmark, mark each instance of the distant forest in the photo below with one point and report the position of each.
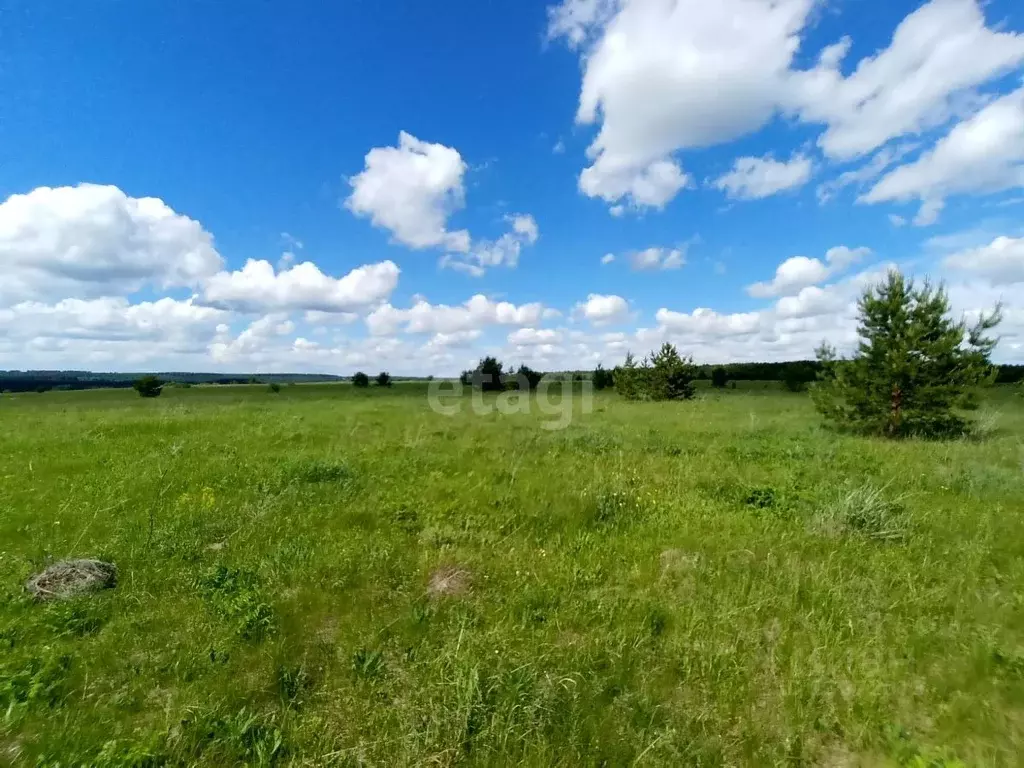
(43, 381)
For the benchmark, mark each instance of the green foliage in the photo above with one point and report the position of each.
(663, 376)
(914, 366)
(243, 738)
(39, 681)
(383, 379)
(487, 376)
(527, 378)
(719, 377)
(761, 498)
(368, 663)
(273, 388)
(797, 376)
(602, 378)
(628, 378)
(316, 471)
(235, 594)
(294, 682)
(671, 377)
(148, 386)
(360, 379)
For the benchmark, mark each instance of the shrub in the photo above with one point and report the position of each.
(797, 376)
(527, 378)
(273, 387)
(383, 379)
(148, 386)
(360, 379)
(487, 376)
(719, 377)
(914, 366)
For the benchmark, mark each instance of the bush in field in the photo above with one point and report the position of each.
(797, 376)
(487, 376)
(383, 379)
(148, 386)
(602, 378)
(719, 377)
(914, 366)
(360, 379)
(662, 376)
(528, 376)
(273, 388)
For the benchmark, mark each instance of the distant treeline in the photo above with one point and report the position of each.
(808, 370)
(43, 381)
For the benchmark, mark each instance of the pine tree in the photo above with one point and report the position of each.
(602, 378)
(627, 379)
(914, 366)
(671, 376)
(662, 376)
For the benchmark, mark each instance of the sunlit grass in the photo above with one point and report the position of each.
(322, 576)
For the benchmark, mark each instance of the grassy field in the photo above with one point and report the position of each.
(332, 577)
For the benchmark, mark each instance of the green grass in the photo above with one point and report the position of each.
(720, 582)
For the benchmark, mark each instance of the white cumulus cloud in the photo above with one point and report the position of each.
(799, 272)
(707, 322)
(257, 287)
(477, 313)
(651, 259)
(603, 310)
(411, 190)
(1001, 262)
(937, 55)
(665, 75)
(526, 337)
(504, 251)
(753, 178)
(90, 240)
(984, 153)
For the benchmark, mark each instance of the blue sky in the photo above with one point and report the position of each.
(702, 146)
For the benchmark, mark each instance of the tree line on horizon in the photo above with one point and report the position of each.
(914, 372)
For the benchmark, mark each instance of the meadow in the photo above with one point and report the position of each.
(327, 576)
